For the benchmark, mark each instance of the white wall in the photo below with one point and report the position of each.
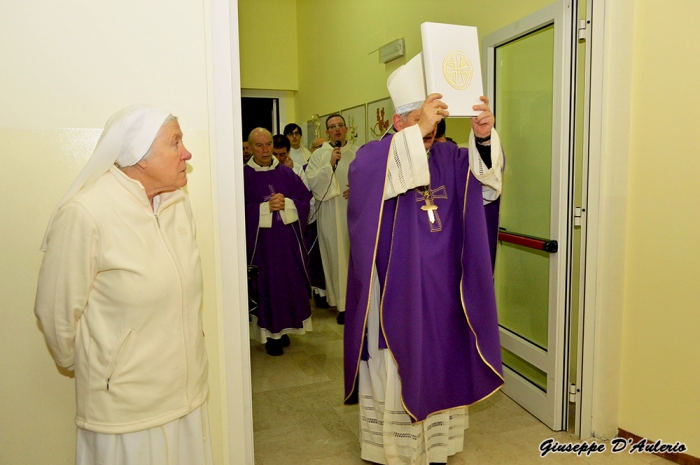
(66, 67)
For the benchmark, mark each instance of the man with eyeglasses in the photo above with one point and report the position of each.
(328, 179)
(298, 153)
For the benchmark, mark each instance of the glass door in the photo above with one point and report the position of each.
(529, 81)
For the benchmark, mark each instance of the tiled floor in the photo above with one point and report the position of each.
(299, 416)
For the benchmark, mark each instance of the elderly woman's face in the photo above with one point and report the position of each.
(166, 166)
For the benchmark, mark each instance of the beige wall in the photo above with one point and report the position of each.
(338, 65)
(268, 41)
(66, 68)
(660, 345)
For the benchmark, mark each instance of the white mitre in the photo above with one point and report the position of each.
(407, 86)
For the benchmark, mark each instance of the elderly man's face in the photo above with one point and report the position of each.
(294, 138)
(336, 130)
(411, 120)
(166, 167)
(281, 154)
(262, 149)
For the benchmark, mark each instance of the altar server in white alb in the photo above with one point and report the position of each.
(120, 298)
(328, 179)
(297, 152)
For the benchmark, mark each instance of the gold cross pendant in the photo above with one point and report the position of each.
(429, 207)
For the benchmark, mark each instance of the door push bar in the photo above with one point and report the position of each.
(531, 242)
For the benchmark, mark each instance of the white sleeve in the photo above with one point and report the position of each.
(265, 216)
(312, 202)
(289, 214)
(66, 278)
(408, 163)
(490, 179)
(319, 174)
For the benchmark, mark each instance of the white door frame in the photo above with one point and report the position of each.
(547, 406)
(229, 229)
(611, 36)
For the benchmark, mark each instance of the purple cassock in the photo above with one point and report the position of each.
(282, 284)
(438, 306)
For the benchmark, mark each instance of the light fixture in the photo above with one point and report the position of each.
(392, 51)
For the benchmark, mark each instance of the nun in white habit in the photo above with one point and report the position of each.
(120, 294)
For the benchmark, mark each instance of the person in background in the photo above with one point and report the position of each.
(440, 133)
(247, 153)
(280, 148)
(119, 298)
(328, 178)
(277, 208)
(298, 152)
(317, 143)
(423, 224)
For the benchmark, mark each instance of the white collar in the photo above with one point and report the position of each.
(253, 164)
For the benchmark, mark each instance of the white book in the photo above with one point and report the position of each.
(452, 66)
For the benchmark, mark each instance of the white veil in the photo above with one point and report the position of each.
(126, 138)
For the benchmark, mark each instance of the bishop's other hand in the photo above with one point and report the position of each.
(484, 121)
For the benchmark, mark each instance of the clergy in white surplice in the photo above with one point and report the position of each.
(298, 153)
(328, 179)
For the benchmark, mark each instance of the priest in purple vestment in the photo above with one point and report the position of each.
(421, 330)
(277, 208)
(281, 146)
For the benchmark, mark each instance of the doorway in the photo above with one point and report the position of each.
(260, 112)
(537, 80)
(225, 111)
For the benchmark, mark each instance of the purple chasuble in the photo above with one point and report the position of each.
(282, 284)
(438, 306)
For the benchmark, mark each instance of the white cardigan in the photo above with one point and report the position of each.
(119, 297)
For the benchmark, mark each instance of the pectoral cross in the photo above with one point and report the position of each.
(428, 196)
(429, 207)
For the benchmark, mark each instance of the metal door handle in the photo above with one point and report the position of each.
(532, 242)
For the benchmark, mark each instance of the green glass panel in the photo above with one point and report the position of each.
(522, 291)
(525, 369)
(524, 89)
(523, 110)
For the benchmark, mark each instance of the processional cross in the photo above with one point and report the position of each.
(428, 196)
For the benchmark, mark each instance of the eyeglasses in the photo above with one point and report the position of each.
(336, 126)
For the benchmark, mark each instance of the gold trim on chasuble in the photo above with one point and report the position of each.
(371, 276)
(381, 306)
(464, 309)
(461, 296)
